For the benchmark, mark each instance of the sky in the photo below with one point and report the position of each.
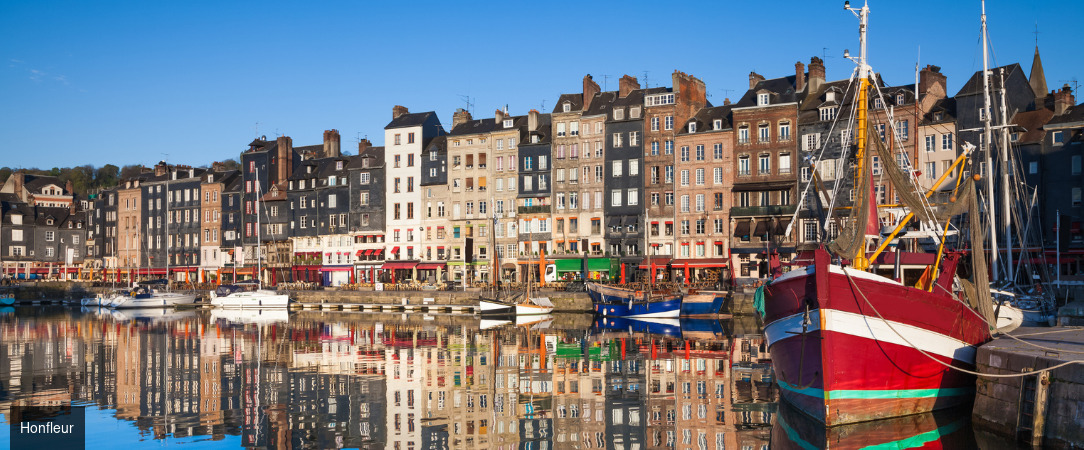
(194, 81)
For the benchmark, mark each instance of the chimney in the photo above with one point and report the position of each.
(364, 145)
(532, 120)
(398, 110)
(799, 76)
(689, 90)
(1063, 100)
(498, 116)
(929, 76)
(628, 84)
(754, 78)
(590, 89)
(218, 166)
(284, 158)
(726, 101)
(460, 116)
(69, 188)
(161, 168)
(18, 180)
(331, 144)
(816, 74)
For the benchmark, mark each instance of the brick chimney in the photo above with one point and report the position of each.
(331, 144)
(498, 116)
(460, 116)
(364, 145)
(627, 85)
(218, 166)
(816, 74)
(398, 110)
(69, 188)
(532, 120)
(1063, 100)
(799, 76)
(928, 77)
(754, 78)
(285, 158)
(690, 95)
(161, 168)
(590, 89)
(726, 101)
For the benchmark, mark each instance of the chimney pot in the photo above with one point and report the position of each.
(754, 78)
(799, 76)
(816, 76)
(398, 110)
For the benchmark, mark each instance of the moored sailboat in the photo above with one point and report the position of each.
(851, 344)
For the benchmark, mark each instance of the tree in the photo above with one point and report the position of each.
(106, 176)
(131, 171)
(231, 164)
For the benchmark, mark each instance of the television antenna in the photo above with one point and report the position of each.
(469, 101)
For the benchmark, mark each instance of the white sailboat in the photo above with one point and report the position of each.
(529, 306)
(232, 296)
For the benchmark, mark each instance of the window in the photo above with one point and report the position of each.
(805, 174)
(398, 139)
(762, 99)
(50, 236)
(692, 127)
(931, 171)
(615, 197)
(700, 176)
(784, 163)
(763, 133)
(634, 138)
(717, 151)
(528, 163)
(1076, 196)
(634, 167)
(946, 141)
(878, 103)
(364, 199)
(700, 208)
(685, 177)
(684, 152)
(669, 148)
(668, 123)
(784, 131)
(1033, 167)
(542, 162)
(718, 175)
(1057, 137)
(617, 140)
(901, 130)
(685, 208)
(654, 124)
(1076, 164)
(743, 165)
(619, 113)
(573, 128)
(616, 168)
(634, 197)
(828, 113)
(560, 129)
(811, 141)
(764, 166)
(669, 173)
(930, 143)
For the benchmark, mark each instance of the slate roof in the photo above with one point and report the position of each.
(1073, 115)
(34, 183)
(947, 108)
(476, 127)
(974, 84)
(575, 103)
(375, 153)
(781, 90)
(410, 120)
(1030, 125)
(706, 117)
(602, 104)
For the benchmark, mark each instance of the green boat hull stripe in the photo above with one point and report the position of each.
(877, 394)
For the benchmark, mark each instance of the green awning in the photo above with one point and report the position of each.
(598, 264)
(569, 265)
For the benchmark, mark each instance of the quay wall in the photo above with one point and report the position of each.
(1055, 410)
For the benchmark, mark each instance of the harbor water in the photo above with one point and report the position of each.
(215, 379)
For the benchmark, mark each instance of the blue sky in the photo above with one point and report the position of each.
(130, 82)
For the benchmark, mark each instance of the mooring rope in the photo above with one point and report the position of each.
(950, 366)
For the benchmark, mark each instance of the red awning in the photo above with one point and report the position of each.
(660, 262)
(360, 252)
(399, 265)
(395, 250)
(706, 262)
(430, 266)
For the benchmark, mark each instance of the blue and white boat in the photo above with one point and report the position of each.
(620, 302)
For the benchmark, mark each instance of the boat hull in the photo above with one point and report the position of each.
(251, 300)
(618, 302)
(841, 357)
(166, 300)
(707, 304)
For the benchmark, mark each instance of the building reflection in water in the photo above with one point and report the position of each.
(398, 382)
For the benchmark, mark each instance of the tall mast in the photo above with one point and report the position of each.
(986, 141)
(1003, 148)
(860, 261)
(259, 242)
(168, 175)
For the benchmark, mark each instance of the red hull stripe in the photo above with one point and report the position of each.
(878, 393)
(874, 328)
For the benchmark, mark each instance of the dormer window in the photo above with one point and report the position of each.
(634, 112)
(619, 113)
(692, 127)
(938, 116)
(365, 163)
(49, 221)
(534, 138)
(899, 98)
(308, 169)
(338, 165)
(717, 124)
(210, 178)
(762, 99)
(566, 107)
(301, 184)
(508, 123)
(878, 103)
(828, 113)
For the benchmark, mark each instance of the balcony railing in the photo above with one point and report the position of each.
(533, 209)
(774, 210)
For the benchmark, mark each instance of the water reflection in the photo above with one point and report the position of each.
(395, 381)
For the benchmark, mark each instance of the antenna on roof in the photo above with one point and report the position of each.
(824, 53)
(1074, 82)
(646, 83)
(543, 107)
(257, 129)
(469, 101)
(605, 83)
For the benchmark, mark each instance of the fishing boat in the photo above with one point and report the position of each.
(850, 341)
(622, 302)
(147, 297)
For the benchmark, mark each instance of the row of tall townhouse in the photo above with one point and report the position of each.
(627, 184)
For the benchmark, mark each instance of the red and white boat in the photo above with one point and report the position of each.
(850, 346)
(849, 341)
